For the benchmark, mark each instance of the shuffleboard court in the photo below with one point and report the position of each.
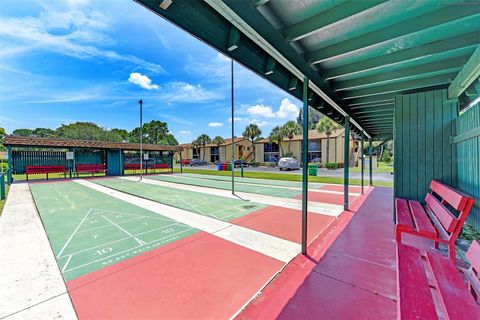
(266, 182)
(227, 185)
(217, 207)
(89, 230)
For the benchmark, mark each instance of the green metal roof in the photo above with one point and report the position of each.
(357, 54)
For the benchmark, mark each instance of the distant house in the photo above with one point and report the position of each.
(317, 148)
(222, 153)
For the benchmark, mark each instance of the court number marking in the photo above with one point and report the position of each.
(104, 250)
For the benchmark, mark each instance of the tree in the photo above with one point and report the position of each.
(276, 136)
(23, 132)
(327, 126)
(252, 132)
(202, 141)
(2, 135)
(82, 131)
(168, 140)
(120, 134)
(314, 116)
(155, 131)
(290, 129)
(219, 141)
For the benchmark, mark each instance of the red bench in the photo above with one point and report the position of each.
(472, 274)
(434, 221)
(45, 170)
(90, 168)
(159, 166)
(415, 297)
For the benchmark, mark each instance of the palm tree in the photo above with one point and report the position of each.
(327, 126)
(276, 136)
(290, 129)
(202, 141)
(252, 132)
(219, 141)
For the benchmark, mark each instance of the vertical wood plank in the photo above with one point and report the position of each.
(413, 148)
(421, 152)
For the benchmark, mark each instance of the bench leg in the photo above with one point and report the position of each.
(398, 236)
(436, 244)
(452, 253)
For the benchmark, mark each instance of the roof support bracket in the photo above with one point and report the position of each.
(270, 68)
(293, 83)
(233, 38)
(469, 73)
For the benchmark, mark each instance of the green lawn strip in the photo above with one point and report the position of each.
(2, 202)
(226, 185)
(285, 177)
(276, 183)
(208, 205)
(382, 167)
(102, 230)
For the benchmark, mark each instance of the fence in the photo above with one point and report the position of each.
(467, 141)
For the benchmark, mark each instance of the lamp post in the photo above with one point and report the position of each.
(140, 102)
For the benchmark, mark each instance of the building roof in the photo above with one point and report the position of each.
(312, 134)
(20, 141)
(357, 55)
(227, 142)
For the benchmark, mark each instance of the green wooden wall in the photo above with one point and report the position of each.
(423, 125)
(468, 152)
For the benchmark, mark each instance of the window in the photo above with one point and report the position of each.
(196, 153)
(270, 152)
(314, 151)
(214, 154)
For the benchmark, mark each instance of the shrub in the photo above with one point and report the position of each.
(254, 164)
(331, 165)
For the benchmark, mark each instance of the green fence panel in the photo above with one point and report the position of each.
(468, 161)
(424, 123)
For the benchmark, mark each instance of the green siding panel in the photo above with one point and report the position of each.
(423, 125)
(468, 161)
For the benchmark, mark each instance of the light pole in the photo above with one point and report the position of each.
(140, 102)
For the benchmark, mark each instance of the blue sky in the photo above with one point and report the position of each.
(83, 60)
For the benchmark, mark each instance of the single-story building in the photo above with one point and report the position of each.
(267, 151)
(214, 152)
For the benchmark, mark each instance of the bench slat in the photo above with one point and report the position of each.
(438, 225)
(455, 199)
(454, 295)
(413, 290)
(423, 223)
(404, 220)
(446, 217)
(473, 255)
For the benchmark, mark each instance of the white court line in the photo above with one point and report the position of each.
(126, 238)
(73, 233)
(260, 184)
(139, 246)
(277, 248)
(140, 242)
(313, 207)
(66, 263)
(192, 206)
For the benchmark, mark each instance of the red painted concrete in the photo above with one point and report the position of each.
(339, 188)
(285, 223)
(354, 279)
(200, 277)
(331, 198)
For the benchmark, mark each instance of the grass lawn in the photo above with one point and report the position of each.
(280, 176)
(382, 167)
(2, 202)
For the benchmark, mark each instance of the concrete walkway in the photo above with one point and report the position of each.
(31, 284)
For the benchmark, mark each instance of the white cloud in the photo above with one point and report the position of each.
(236, 119)
(71, 28)
(186, 92)
(185, 132)
(215, 124)
(287, 110)
(260, 123)
(260, 110)
(142, 80)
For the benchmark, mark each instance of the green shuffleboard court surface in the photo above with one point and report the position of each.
(266, 182)
(208, 205)
(227, 185)
(89, 230)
